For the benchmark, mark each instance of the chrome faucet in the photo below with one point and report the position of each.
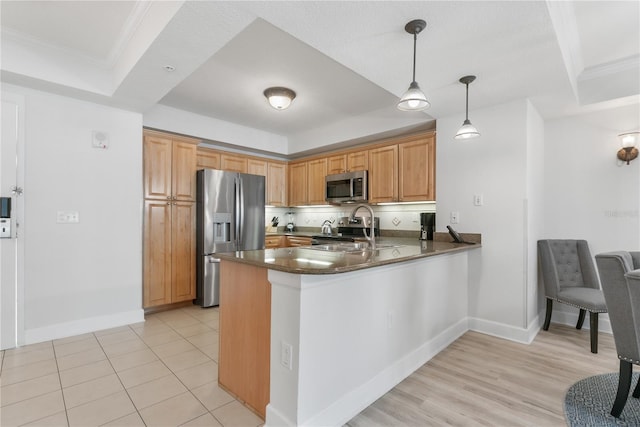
(372, 237)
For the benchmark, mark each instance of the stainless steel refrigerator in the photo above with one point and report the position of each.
(229, 217)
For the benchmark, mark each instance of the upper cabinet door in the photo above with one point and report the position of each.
(297, 184)
(169, 167)
(416, 180)
(383, 174)
(257, 167)
(207, 159)
(317, 170)
(358, 161)
(336, 164)
(277, 184)
(157, 167)
(229, 162)
(184, 171)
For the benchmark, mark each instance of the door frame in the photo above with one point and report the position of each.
(13, 309)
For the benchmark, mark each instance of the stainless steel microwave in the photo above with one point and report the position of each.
(346, 187)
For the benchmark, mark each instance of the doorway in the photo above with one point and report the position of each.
(12, 248)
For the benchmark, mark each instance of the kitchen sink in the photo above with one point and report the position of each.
(349, 247)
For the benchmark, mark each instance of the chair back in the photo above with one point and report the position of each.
(622, 295)
(566, 263)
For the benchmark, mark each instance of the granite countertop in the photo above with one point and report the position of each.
(306, 260)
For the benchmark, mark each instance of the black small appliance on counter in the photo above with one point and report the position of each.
(427, 225)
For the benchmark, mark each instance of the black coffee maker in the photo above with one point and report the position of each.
(427, 225)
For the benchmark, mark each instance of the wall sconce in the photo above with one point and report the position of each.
(279, 97)
(628, 141)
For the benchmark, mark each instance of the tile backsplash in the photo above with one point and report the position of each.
(392, 217)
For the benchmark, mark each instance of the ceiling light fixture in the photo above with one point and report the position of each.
(628, 141)
(467, 130)
(414, 99)
(279, 97)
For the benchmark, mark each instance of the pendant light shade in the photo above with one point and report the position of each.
(414, 99)
(467, 130)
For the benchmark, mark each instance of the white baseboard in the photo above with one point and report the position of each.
(342, 410)
(501, 330)
(82, 326)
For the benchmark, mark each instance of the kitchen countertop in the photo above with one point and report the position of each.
(306, 260)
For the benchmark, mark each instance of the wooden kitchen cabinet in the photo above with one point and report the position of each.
(257, 167)
(169, 167)
(233, 163)
(271, 242)
(383, 174)
(276, 184)
(336, 164)
(349, 162)
(297, 184)
(207, 158)
(169, 231)
(169, 254)
(316, 172)
(293, 241)
(416, 169)
(358, 161)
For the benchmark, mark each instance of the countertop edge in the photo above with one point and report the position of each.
(455, 247)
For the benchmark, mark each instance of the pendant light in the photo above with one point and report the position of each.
(414, 99)
(467, 130)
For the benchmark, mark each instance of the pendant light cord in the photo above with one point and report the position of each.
(467, 104)
(415, 38)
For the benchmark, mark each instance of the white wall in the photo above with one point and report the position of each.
(86, 276)
(588, 193)
(494, 165)
(184, 122)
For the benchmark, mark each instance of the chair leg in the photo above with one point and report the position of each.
(593, 324)
(547, 316)
(624, 383)
(636, 391)
(581, 318)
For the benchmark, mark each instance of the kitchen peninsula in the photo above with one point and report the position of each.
(311, 336)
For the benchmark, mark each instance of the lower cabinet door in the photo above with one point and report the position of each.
(157, 253)
(183, 249)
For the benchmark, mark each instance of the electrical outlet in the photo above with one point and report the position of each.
(67, 217)
(286, 355)
(454, 217)
(478, 200)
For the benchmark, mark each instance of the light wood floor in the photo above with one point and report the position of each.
(486, 381)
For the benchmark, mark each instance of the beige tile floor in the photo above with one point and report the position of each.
(162, 372)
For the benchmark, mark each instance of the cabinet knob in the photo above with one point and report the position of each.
(168, 197)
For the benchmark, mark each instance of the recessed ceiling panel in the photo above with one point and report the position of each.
(230, 85)
(88, 28)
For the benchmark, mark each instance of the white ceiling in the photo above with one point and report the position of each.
(346, 60)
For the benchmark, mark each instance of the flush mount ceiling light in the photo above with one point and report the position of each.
(279, 97)
(628, 141)
(467, 130)
(414, 99)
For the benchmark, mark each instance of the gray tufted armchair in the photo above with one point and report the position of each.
(620, 278)
(570, 277)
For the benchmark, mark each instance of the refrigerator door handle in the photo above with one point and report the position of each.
(237, 216)
(241, 215)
